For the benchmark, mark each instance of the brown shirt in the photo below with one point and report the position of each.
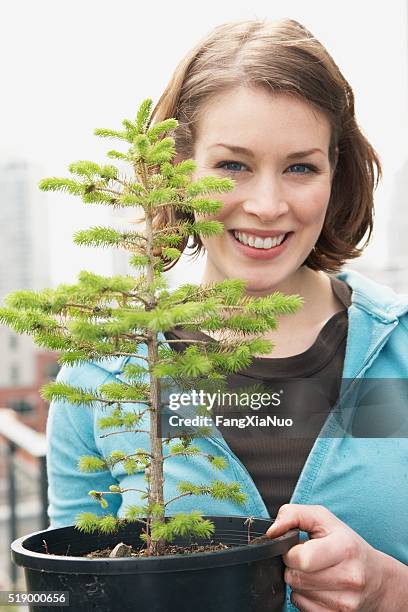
(310, 383)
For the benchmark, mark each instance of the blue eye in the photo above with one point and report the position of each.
(308, 167)
(235, 167)
(232, 166)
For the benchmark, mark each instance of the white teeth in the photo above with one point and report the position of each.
(257, 241)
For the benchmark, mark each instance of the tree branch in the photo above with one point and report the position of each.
(184, 495)
(115, 461)
(191, 340)
(123, 401)
(174, 498)
(129, 355)
(114, 433)
(200, 454)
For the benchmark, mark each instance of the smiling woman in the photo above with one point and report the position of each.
(264, 103)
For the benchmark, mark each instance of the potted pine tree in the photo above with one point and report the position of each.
(223, 562)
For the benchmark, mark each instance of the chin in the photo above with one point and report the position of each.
(261, 286)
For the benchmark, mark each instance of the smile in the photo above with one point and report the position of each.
(257, 242)
(265, 248)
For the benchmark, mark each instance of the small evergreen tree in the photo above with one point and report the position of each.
(107, 317)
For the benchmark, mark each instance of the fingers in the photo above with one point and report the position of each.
(320, 601)
(316, 555)
(304, 604)
(316, 520)
(347, 578)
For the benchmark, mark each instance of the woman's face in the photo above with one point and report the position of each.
(275, 147)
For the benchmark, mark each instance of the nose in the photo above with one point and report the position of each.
(266, 199)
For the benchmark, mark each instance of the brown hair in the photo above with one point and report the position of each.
(284, 57)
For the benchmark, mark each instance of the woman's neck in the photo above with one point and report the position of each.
(313, 286)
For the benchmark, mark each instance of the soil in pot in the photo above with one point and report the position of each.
(124, 550)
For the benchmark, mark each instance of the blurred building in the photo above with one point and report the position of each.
(24, 265)
(23, 220)
(26, 400)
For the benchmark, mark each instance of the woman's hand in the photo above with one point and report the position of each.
(337, 569)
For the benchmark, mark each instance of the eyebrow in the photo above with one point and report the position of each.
(244, 151)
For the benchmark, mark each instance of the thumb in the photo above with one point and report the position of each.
(316, 520)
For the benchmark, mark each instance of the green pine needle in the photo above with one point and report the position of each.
(99, 237)
(108, 524)
(91, 463)
(60, 184)
(77, 396)
(161, 128)
(210, 184)
(87, 522)
(207, 228)
(181, 525)
(143, 115)
(104, 133)
(134, 513)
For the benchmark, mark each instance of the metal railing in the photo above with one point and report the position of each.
(17, 436)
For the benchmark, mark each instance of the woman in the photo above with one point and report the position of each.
(265, 104)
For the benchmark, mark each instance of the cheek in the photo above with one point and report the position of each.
(313, 208)
(229, 204)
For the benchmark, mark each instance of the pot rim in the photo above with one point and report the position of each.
(235, 555)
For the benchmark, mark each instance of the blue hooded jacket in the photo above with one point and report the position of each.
(363, 481)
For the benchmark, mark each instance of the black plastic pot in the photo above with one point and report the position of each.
(245, 578)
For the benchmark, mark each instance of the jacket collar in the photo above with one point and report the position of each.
(376, 299)
(373, 315)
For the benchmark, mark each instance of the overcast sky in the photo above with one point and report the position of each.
(71, 66)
